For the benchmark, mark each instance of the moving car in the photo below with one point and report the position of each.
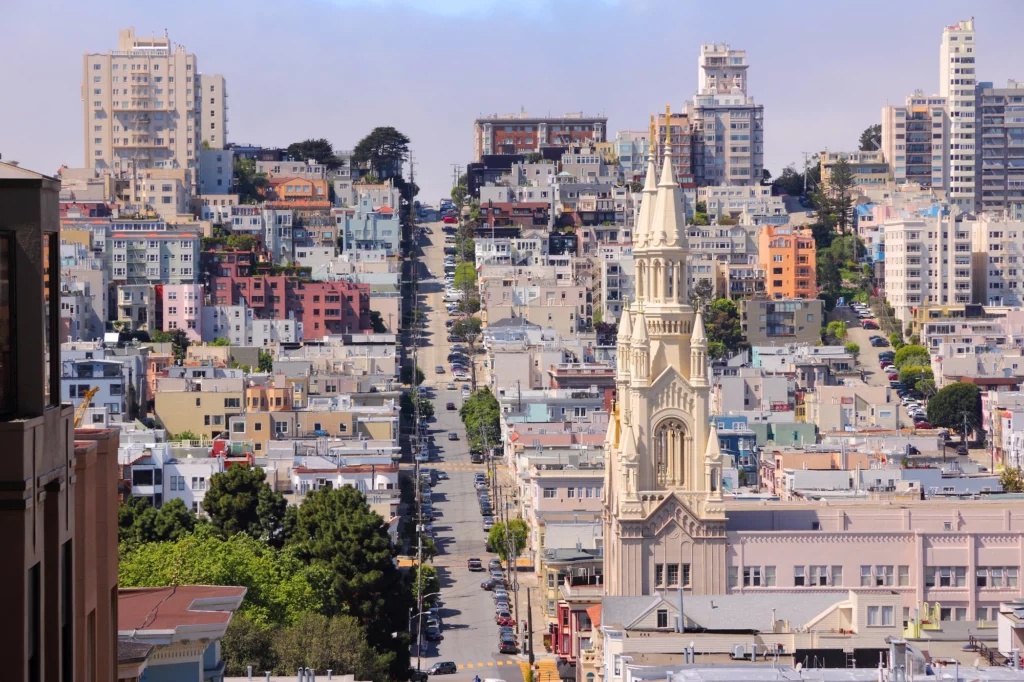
(507, 645)
(439, 369)
(452, 435)
(475, 564)
(450, 406)
(494, 565)
(450, 386)
(443, 668)
(869, 324)
(417, 675)
(922, 425)
(442, 475)
(879, 343)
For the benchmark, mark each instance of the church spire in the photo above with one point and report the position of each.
(699, 353)
(623, 341)
(641, 232)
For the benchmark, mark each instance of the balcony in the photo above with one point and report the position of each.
(586, 587)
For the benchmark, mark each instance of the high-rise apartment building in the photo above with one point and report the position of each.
(998, 260)
(213, 110)
(915, 140)
(957, 84)
(728, 127)
(141, 105)
(789, 260)
(681, 140)
(1000, 121)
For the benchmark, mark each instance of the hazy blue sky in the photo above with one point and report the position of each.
(336, 68)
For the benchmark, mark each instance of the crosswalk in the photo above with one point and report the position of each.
(491, 664)
(547, 669)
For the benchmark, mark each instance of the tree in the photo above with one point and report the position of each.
(459, 194)
(789, 182)
(499, 535)
(853, 349)
(918, 378)
(320, 150)
(246, 643)
(339, 643)
(830, 278)
(160, 337)
(179, 344)
(465, 276)
(240, 501)
(766, 175)
(700, 219)
(424, 582)
(469, 305)
(335, 529)
(871, 138)
(598, 317)
(409, 401)
(700, 207)
(384, 150)
(835, 333)
(635, 186)
(467, 329)
(377, 322)
(185, 435)
(1012, 480)
(840, 182)
(481, 415)
(911, 355)
(241, 242)
(280, 587)
(249, 185)
(407, 375)
(955, 403)
(722, 325)
(220, 341)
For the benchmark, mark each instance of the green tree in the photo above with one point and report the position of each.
(377, 322)
(916, 377)
(789, 182)
(1012, 480)
(179, 344)
(185, 435)
(339, 643)
(266, 361)
(911, 356)
(700, 219)
(246, 643)
(598, 317)
(220, 341)
(499, 535)
(836, 332)
(407, 375)
(279, 586)
(701, 293)
(465, 276)
(467, 329)
(871, 138)
(853, 349)
(459, 194)
(320, 149)
(840, 183)
(700, 207)
(469, 305)
(425, 580)
(481, 415)
(240, 501)
(408, 402)
(383, 150)
(896, 340)
(161, 337)
(955, 403)
(830, 277)
(722, 325)
(249, 185)
(335, 529)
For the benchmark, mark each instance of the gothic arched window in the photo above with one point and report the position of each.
(669, 439)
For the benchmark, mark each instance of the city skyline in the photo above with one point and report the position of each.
(405, 75)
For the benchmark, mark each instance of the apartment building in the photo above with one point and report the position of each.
(183, 309)
(632, 147)
(216, 171)
(136, 307)
(753, 205)
(957, 83)
(563, 307)
(681, 139)
(790, 261)
(155, 258)
(200, 405)
(1000, 163)
(212, 101)
(782, 321)
(915, 140)
(869, 169)
(617, 277)
(927, 261)
(141, 105)
(997, 260)
(728, 127)
(523, 134)
(368, 228)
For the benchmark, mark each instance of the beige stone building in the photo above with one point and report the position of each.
(141, 105)
(212, 101)
(662, 486)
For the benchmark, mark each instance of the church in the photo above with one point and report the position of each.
(664, 518)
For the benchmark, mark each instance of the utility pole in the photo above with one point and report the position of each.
(528, 634)
(807, 156)
(455, 177)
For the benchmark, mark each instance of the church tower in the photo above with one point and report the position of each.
(663, 476)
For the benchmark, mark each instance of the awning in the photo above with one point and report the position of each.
(567, 671)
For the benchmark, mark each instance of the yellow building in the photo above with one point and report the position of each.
(202, 406)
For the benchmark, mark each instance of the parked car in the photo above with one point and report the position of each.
(450, 406)
(879, 343)
(488, 523)
(432, 634)
(443, 668)
(475, 564)
(503, 616)
(869, 324)
(961, 449)
(417, 675)
(507, 645)
(893, 376)
(439, 369)
(452, 435)
(449, 220)
(490, 584)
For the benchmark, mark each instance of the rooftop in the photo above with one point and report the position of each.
(179, 613)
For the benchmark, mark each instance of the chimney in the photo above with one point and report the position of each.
(248, 670)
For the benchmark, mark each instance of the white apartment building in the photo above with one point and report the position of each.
(136, 306)
(915, 140)
(618, 278)
(728, 127)
(212, 101)
(632, 147)
(998, 260)
(957, 83)
(155, 258)
(927, 261)
(753, 204)
(141, 105)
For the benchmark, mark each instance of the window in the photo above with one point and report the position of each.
(662, 618)
(837, 575)
(572, 492)
(887, 615)
(769, 576)
(616, 658)
(874, 616)
(799, 576)
(819, 576)
(549, 493)
(903, 576)
(865, 576)
(673, 575)
(734, 576)
(659, 575)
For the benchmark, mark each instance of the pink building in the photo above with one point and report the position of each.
(961, 558)
(183, 309)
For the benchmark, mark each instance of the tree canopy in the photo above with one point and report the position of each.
(467, 329)
(465, 276)
(911, 355)
(701, 293)
(249, 185)
(871, 138)
(319, 149)
(383, 150)
(722, 325)
(240, 501)
(482, 416)
(498, 537)
(339, 643)
(1012, 480)
(952, 404)
(266, 361)
(139, 522)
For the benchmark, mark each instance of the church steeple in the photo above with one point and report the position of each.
(669, 222)
(641, 343)
(623, 341)
(699, 354)
(641, 231)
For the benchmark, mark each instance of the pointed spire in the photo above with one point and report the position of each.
(641, 231)
(668, 226)
(713, 451)
(629, 450)
(640, 329)
(699, 337)
(625, 325)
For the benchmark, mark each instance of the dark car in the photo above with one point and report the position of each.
(432, 634)
(443, 668)
(475, 564)
(869, 324)
(879, 343)
(490, 584)
(961, 449)
(450, 406)
(508, 646)
(417, 675)
(452, 435)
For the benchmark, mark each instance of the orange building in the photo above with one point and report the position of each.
(789, 260)
(296, 189)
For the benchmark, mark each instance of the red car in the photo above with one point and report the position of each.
(922, 425)
(449, 220)
(869, 324)
(894, 376)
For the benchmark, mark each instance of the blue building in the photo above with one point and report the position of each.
(370, 229)
(739, 441)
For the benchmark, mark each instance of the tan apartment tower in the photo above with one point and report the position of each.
(213, 107)
(141, 105)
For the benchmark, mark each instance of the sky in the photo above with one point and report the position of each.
(338, 68)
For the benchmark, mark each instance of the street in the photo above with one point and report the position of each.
(470, 635)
